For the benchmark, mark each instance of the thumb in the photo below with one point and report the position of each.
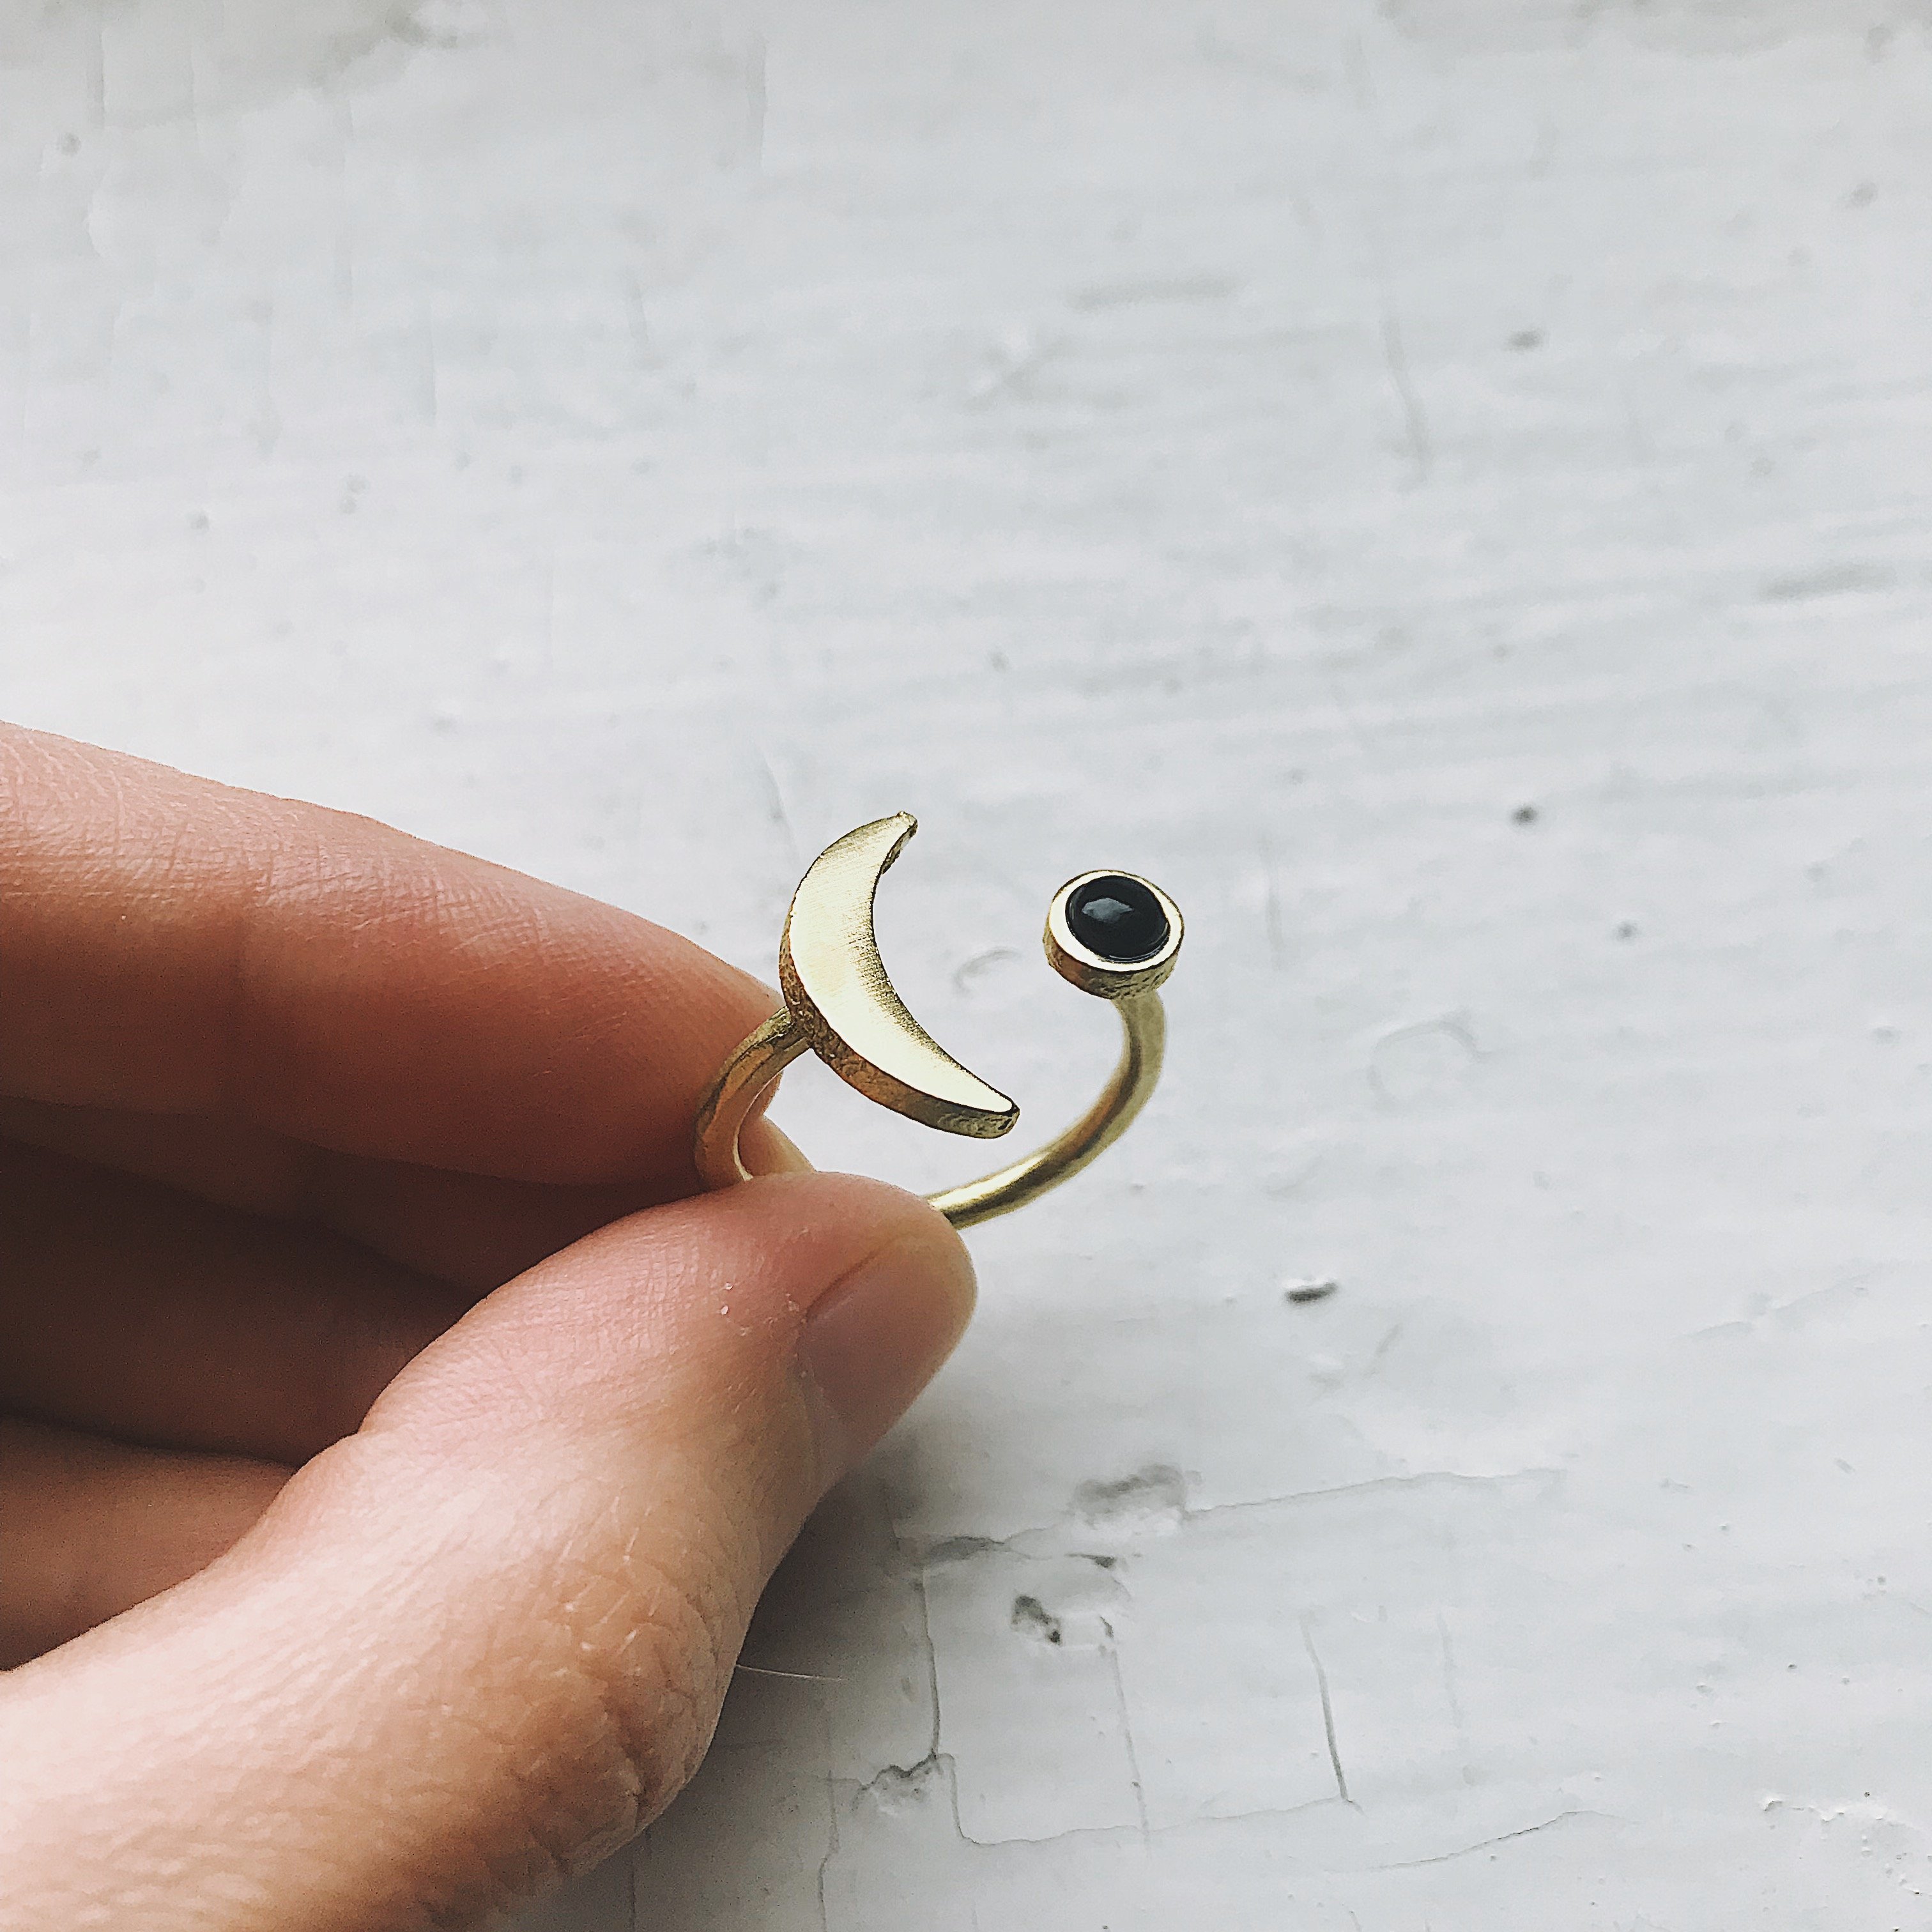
(478, 1645)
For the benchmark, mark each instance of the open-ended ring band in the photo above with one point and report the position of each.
(1113, 934)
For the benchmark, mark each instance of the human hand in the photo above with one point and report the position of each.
(327, 1151)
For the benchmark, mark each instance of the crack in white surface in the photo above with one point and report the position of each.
(1127, 1733)
(1482, 1844)
(1328, 1713)
(1047, 1541)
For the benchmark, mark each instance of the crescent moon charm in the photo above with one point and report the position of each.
(836, 988)
(1113, 934)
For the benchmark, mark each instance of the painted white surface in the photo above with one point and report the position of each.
(1265, 443)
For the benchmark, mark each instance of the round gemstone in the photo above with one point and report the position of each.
(1119, 919)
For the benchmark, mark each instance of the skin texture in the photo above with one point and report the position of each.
(392, 1445)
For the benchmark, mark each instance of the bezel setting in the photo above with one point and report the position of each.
(1093, 972)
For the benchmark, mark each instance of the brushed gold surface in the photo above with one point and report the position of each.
(838, 989)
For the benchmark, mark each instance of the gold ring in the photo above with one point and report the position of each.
(1111, 933)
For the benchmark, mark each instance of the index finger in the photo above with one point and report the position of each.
(171, 945)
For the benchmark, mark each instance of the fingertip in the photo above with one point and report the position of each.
(767, 1150)
(878, 1335)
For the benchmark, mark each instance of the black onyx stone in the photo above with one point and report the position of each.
(1118, 918)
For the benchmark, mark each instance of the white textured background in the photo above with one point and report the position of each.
(1267, 444)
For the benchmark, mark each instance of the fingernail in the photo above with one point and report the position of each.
(875, 1338)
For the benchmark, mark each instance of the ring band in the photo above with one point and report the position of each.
(1113, 934)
